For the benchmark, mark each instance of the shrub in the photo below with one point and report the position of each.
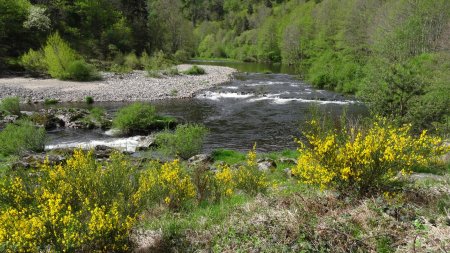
(145, 60)
(140, 118)
(181, 55)
(195, 70)
(168, 183)
(81, 206)
(365, 159)
(249, 178)
(62, 62)
(58, 57)
(10, 105)
(20, 137)
(131, 61)
(51, 101)
(159, 61)
(34, 61)
(81, 71)
(89, 100)
(186, 141)
(172, 71)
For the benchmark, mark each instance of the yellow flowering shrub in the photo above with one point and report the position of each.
(223, 182)
(364, 159)
(248, 177)
(168, 183)
(81, 206)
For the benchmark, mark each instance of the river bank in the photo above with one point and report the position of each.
(134, 86)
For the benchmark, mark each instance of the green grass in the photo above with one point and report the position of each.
(228, 156)
(201, 217)
(287, 153)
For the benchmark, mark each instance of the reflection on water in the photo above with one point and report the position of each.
(269, 109)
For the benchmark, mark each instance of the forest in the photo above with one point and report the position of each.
(367, 171)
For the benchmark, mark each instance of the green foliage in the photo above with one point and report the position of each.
(159, 61)
(186, 141)
(410, 92)
(10, 105)
(145, 60)
(89, 100)
(228, 156)
(20, 137)
(181, 55)
(131, 61)
(51, 101)
(79, 70)
(172, 71)
(140, 118)
(59, 60)
(195, 70)
(34, 61)
(59, 56)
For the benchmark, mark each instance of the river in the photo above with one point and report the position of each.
(267, 109)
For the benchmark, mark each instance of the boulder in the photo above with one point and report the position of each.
(290, 161)
(145, 142)
(201, 158)
(33, 161)
(266, 164)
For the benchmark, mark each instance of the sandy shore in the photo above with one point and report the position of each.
(135, 86)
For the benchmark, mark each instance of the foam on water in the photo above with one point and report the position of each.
(126, 144)
(218, 95)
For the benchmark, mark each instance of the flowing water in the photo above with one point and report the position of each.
(269, 109)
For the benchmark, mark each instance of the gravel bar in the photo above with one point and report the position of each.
(134, 86)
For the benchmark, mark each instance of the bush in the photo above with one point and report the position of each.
(81, 71)
(81, 206)
(362, 159)
(249, 178)
(186, 141)
(51, 101)
(34, 61)
(172, 71)
(145, 60)
(20, 137)
(10, 105)
(140, 118)
(181, 55)
(195, 70)
(168, 183)
(131, 61)
(89, 100)
(159, 61)
(58, 57)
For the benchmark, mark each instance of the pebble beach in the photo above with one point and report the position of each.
(134, 86)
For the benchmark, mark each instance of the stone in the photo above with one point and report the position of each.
(201, 158)
(145, 143)
(266, 164)
(288, 172)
